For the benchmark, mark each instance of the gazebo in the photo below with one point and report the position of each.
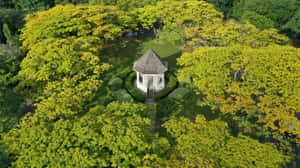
(150, 69)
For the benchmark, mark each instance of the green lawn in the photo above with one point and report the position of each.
(166, 51)
(121, 56)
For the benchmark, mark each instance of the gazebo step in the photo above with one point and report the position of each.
(149, 101)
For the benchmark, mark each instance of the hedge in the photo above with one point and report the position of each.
(130, 88)
(123, 74)
(115, 83)
(122, 95)
(179, 93)
(171, 86)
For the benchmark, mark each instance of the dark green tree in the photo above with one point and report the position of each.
(222, 5)
(14, 20)
(279, 11)
(293, 26)
(6, 4)
(32, 5)
(10, 102)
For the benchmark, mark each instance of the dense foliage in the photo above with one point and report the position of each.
(276, 13)
(232, 33)
(126, 5)
(222, 5)
(242, 70)
(293, 25)
(104, 22)
(208, 143)
(114, 136)
(261, 81)
(13, 19)
(10, 101)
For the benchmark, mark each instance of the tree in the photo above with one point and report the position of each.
(279, 11)
(53, 60)
(126, 5)
(260, 81)
(14, 20)
(209, 144)
(105, 22)
(32, 5)
(64, 42)
(113, 136)
(232, 33)
(178, 16)
(260, 21)
(10, 101)
(293, 24)
(197, 23)
(6, 4)
(222, 5)
(145, 18)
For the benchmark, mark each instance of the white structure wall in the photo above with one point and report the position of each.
(143, 80)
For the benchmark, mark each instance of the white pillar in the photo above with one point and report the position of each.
(137, 79)
(144, 83)
(163, 80)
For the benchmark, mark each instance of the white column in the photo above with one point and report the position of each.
(144, 83)
(155, 82)
(137, 79)
(163, 80)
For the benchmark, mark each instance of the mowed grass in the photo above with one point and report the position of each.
(166, 51)
(122, 55)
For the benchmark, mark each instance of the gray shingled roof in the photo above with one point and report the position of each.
(150, 63)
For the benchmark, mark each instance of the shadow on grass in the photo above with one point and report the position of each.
(189, 108)
(172, 60)
(120, 56)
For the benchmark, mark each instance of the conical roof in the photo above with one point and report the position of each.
(150, 63)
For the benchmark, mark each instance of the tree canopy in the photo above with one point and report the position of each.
(238, 69)
(279, 11)
(114, 136)
(261, 81)
(231, 33)
(209, 144)
(293, 25)
(105, 22)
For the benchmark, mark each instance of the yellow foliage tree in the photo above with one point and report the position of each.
(263, 81)
(107, 22)
(232, 33)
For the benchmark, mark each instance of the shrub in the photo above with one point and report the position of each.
(130, 88)
(171, 85)
(165, 108)
(179, 93)
(185, 81)
(124, 73)
(260, 21)
(122, 95)
(115, 83)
